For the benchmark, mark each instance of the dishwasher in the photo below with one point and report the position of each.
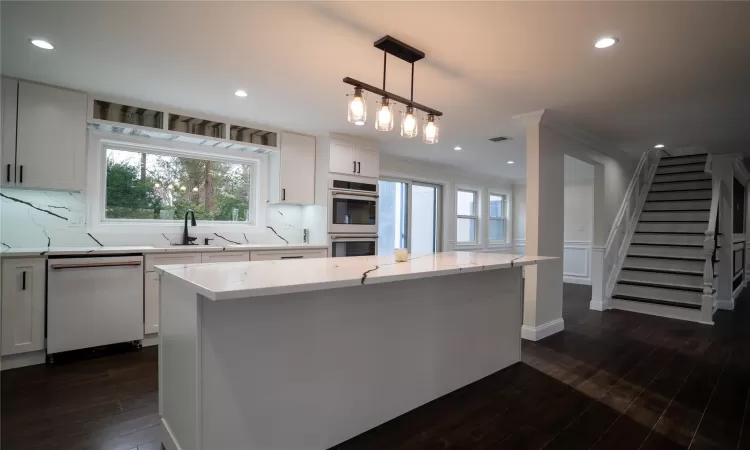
(94, 301)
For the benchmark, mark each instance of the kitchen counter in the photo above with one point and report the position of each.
(260, 278)
(305, 354)
(147, 249)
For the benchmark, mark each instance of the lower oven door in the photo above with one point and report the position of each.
(352, 245)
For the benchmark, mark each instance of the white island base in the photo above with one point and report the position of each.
(242, 368)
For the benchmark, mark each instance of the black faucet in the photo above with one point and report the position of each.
(187, 240)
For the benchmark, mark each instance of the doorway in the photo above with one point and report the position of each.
(409, 216)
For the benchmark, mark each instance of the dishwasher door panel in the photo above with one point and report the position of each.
(94, 301)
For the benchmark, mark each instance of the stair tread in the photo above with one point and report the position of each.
(658, 302)
(678, 181)
(677, 200)
(693, 155)
(683, 258)
(666, 244)
(665, 271)
(653, 284)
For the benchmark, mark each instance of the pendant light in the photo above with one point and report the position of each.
(431, 130)
(384, 117)
(358, 107)
(409, 123)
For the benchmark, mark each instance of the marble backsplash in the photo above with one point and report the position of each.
(31, 219)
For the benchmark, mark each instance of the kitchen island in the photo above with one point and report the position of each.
(305, 354)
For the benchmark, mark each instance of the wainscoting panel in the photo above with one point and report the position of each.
(576, 260)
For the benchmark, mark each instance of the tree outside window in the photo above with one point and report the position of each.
(497, 218)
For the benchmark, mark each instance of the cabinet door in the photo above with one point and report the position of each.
(9, 111)
(297, 169)
(368, 162)
(151, 285)
(51, 139)
(23, 294)
(268, 255)
(217, 257)
(342, 157)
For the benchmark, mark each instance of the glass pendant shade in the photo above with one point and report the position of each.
(384, 117)
(409, 123)
(358, 108)
(431, 131)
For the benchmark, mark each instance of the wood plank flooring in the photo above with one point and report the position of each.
(612, 380)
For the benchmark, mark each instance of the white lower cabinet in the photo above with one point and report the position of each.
(218, 257)
(268, 255)
(23, 305)
(151, 285)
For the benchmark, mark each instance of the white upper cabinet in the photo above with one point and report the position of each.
(354, 158)
(295, 165)
(50, 136)
(23, 306)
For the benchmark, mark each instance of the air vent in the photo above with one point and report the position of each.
(499, 139)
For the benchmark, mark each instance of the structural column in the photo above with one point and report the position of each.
(599, 300)
(544, 229)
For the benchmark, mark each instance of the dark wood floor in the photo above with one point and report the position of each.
(612, 380)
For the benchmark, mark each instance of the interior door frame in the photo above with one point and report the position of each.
(409, 198)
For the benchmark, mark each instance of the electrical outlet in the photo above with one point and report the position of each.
(75, 220)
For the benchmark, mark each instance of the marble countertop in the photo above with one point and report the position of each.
(146, 249)
(227, 281)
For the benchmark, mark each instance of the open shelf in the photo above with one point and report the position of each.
(126, 114)
(197, 126)
(252, 135)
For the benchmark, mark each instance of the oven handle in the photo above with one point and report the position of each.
(368, 237)
(355, 194)
(89, 265)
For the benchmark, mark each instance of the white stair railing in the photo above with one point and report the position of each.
(627, 218)
(709, 249)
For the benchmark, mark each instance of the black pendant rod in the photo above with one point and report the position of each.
(385, 54)
(412, 83)
(394, 97)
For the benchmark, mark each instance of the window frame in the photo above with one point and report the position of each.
(96, 183)
(476, 217)
(503, 218)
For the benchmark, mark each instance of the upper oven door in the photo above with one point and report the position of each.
(353, 213)
(352, 245)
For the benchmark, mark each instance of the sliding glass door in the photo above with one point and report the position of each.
(409, 216)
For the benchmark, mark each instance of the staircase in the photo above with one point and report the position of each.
(668, 269)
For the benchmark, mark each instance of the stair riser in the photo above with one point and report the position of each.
(663, 264)
(667, 278)
(682, 177)
(680, 169)
(680, 195)
(674, 216)
(681, 186)
(672, 239)
(650, 250)
(664, 162)
(673, 295)
(672, 227)
(676, 206)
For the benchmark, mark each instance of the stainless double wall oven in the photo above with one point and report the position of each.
(352, 218)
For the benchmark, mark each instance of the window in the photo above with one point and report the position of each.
(466, 213)
(408, 216)
(150, 184)
(498, 218)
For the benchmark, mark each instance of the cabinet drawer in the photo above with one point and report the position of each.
(268, 255)
(218, 257)
(171, 258)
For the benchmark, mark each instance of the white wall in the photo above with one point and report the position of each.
(578, 228)
(450, 179)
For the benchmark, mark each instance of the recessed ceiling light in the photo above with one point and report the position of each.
(240, 93)
(606, 42)
(511, 162)
(456, 148)
(41, 43)
(659, 146)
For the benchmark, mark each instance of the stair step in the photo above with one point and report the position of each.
(681, 168)
(680, 186)
(665, 271)
(688, 265)
(685, 159)
(657, 302)
(659, 293)
(676, 205)
(698, 194)
(662, 283)
(684, 176)
(668, 239)
(674, 216)
(664, 251)
(671, 227)
(676, 279)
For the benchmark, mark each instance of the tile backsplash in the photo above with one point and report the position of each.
(31, 218)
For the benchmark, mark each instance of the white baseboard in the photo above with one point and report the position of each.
(542, 331)
(670, 312)
(576, 280)
(601, 305)
(727, 305)
(167, 440)
(150, 340)
(23, 360)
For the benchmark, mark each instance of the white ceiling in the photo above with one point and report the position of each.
(679, 74)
